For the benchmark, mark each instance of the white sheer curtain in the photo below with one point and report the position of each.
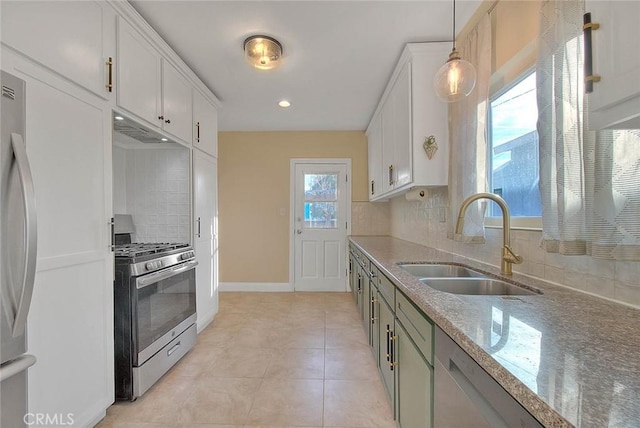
(588, 180)
(468, 135)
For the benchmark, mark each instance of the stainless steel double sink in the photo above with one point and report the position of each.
(457, 279)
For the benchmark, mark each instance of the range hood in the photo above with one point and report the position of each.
(138, 132)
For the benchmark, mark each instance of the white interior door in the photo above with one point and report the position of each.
(321, 222)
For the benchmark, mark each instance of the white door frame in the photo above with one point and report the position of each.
(292, 226)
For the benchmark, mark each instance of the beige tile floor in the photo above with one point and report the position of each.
(269, 360)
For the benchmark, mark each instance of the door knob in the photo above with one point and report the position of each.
(299, 232)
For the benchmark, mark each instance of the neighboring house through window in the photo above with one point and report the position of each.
(513, 159)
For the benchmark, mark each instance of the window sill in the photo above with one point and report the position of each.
(517, 223)
(513, 227)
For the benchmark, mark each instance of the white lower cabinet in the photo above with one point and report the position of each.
(205, 202)
(70, 323)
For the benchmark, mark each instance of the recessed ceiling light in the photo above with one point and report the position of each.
(284, 103)
(163, 139)
(119, 118)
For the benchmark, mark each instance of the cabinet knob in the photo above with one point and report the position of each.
(167, 121)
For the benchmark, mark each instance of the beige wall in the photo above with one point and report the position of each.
(253, 195)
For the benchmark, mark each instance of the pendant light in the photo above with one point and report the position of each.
(457, 77)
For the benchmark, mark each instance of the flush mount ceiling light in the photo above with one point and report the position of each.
(263, 52)
(457, 77)
(284, 103)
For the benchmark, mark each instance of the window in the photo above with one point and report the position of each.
(320, 201)
(513, 167)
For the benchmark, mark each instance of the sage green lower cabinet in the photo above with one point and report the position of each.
(366, 303)
(374, 335)
(353, 269)
(414, 388)
(385, 354)
(401, 337)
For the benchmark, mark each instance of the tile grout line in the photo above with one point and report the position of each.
(324, 367)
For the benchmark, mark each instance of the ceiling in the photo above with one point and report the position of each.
(338, 55)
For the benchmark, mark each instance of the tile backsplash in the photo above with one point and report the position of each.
(427, 223)
(153, 186)
(370, 218)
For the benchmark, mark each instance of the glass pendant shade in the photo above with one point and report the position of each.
(455, 79)
(263, 52)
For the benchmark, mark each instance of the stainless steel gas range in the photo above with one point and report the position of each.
(155, 313)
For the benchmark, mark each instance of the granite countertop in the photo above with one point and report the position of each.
(569, 358)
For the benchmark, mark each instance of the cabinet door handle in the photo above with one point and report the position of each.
(589, 77)
(392, 363)
(390, 175)
(110, 74)
(372, 187)
(161, 117)
(197, 132)
(373, 310)
(167, 121)
(388, 343)
(198, 232)
(112, 232)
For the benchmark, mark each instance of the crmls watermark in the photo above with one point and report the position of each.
(49, 419)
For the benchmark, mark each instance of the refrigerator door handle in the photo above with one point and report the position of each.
(31, 238)
(16, 366)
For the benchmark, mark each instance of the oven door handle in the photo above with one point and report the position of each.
(164, 274)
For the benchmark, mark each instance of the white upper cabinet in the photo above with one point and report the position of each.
(205, 124)
(615, 100)
(396, 132)
(409, 112)
(374, 151)
(387, 117)
(177, 109)
(149, 86)
(74, 39)
(139, 79)
(402, 128)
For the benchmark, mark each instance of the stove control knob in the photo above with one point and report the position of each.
(160, 263)
(185, 256)
(150, 266)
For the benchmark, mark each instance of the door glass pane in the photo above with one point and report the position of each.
(320, 215)
(321, 187)
(321, 201)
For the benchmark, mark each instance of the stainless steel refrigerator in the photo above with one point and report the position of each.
(18, 240)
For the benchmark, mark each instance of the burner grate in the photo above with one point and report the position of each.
(142, 248)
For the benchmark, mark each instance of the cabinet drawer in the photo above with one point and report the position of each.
(375, 274)
(419, 328)
(387, 289)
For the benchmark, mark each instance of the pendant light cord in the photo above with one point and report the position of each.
(454, 25)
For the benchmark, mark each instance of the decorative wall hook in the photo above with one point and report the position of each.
(430, 146)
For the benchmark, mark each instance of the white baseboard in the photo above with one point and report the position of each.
(206, 319)
(256, 286)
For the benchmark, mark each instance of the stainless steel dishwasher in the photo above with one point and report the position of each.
(466, 396)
